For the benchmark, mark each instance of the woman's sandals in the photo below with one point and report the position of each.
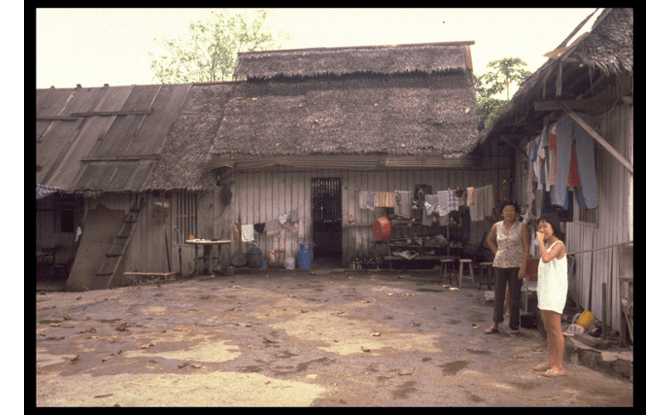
(491, 330)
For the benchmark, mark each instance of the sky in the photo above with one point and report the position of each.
(93, 47)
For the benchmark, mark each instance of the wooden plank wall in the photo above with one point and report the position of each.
(261, 196)
(615, 211)
(147, 251)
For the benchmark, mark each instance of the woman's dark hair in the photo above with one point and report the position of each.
(507, 203)
(554, 221)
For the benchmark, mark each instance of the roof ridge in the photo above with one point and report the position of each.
(372, 47)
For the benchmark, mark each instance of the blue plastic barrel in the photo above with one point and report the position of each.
(254, 257)
(304, 257)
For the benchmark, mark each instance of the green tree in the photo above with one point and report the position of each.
(209, 52)
(505, 71)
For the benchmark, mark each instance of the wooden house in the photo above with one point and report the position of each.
(308, 130)
(303, 132)
(593, 75)
(125, 174)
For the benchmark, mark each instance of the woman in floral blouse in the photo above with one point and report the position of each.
(509, 242)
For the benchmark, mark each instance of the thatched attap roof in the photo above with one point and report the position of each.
(425, 58)
(187, 145)
(609, 46)
(606, 50)
(402, 115)
(402, 100)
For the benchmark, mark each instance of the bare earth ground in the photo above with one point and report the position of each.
(294, 339)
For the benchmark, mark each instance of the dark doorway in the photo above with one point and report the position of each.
(327, 218)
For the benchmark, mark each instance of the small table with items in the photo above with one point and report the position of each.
(207, 245)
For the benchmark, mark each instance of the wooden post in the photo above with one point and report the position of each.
(604, 327)
(167, 244)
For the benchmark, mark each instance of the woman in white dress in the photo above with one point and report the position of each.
(552, 289)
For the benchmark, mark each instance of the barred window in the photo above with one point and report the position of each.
(187, 214)
(588, 215)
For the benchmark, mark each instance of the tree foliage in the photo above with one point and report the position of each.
(505, 71)
(209, 52)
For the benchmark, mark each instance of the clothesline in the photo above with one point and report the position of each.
(479, 200)
(270, 227)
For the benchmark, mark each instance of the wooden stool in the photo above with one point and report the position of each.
(460, 271)
(444, 270)
(486, 267)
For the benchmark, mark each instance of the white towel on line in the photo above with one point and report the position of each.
(248, 233)
(483, 203)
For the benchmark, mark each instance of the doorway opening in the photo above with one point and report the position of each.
(327, 220)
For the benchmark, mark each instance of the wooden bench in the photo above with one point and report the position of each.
(392, 258)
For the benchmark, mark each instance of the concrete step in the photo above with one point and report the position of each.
(614, 360)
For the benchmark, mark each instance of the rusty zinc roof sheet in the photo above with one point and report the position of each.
(103, 139)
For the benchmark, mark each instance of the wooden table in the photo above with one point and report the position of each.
(207, 245)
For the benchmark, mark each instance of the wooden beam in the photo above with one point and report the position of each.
(55, 118)
(597, 137)
(111, 113)
(508, 140)
(575, 104)
(122, 158)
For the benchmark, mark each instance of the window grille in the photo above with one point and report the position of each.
(186, 214)
(588, 215)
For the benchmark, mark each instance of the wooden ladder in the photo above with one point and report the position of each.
(115, 254)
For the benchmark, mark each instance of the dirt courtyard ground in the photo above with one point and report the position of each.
(352, 338)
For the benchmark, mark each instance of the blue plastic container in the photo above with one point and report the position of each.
(304, 257)
(254, 258)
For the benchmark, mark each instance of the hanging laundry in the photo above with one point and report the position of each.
(426, 218)
(530, 184)
(293, 216)
(470, 195)
(259, 227)
(362, 199)
(539, 165)
(580, 196)
(460, 196)
(551, 154)
(431, 204)
(447, 201)
(248, 233)
(567, 132)
(236, 232)
(371, 200)
(403, 203)
(483, 203)
(573, 174)
(385, 199)
(272, 226)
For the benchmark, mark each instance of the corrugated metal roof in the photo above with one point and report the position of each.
(104, 141)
